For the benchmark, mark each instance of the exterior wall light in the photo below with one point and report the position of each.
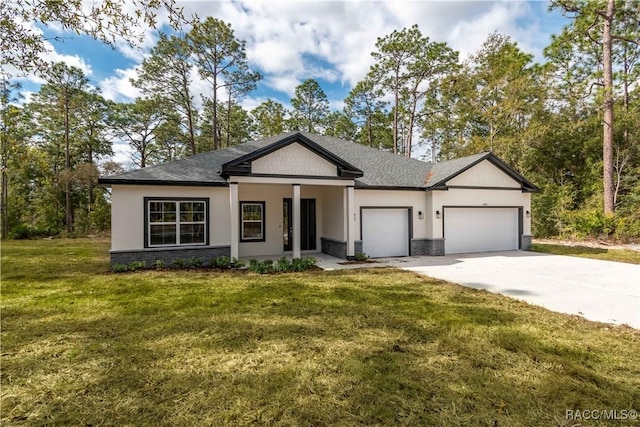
(438, 214)
(420, 215)
(528, 214)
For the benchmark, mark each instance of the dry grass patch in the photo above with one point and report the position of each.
(371, 347)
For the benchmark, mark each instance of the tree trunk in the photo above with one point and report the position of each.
(192, 137)
(215, 111)
(395, 119)
(4, 209)
(607, 142)
(67, 166)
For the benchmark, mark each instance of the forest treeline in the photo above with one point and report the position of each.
(570, 124)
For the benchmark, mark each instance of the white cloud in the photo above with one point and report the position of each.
(118, 87)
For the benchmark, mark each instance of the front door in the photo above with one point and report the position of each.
(307, 224)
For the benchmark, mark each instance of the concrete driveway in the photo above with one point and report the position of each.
(602, 291)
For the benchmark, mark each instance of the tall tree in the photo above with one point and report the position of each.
(268, 118)
(93, 139)
(597, 23)
(139, 124)
(218, 54)
(310, 107)
(339, 125)
(488, 104)
(165, 76)
(239, 82)
(23, 45)
(407, 63)
(58, 106)
(363, 105)
(10, 118)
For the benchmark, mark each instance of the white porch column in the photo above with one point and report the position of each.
(234, 206)
(350, 211)
(296, 220)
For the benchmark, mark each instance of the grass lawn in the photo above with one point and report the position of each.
(619, 255)
(82, 346)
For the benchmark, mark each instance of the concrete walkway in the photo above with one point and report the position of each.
(602, 291)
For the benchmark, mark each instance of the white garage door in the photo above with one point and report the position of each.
(480, 230)
(385, 232)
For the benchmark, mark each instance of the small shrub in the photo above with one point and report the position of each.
(361, 256)
(237, 263)
(222, 262)
(119, 268)
(196, 261)
(264, 267)
(158, 264)
(303, 264)
(282, 265)
(179, 262)
(24, 231)
(137, 265)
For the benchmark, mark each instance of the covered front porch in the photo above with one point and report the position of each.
(273, 217)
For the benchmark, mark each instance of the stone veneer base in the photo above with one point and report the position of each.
(431, 247)
(167, 255)
(335, 248)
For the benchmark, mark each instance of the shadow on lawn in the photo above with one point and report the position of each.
(303, 353)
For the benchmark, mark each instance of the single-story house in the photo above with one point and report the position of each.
(299, 193)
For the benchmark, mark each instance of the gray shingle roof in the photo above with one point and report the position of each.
(381, 169)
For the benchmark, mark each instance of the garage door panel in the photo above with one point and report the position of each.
(385, 232)
(480, 229)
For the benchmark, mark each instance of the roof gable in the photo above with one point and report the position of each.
(244, 165)
(484, 174)
(448, 173)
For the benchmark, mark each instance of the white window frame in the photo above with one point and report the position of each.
(261, 221)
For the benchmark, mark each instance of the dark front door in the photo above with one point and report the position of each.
(307, 224)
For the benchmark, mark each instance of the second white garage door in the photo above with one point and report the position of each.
(480, 230)
(385, 232)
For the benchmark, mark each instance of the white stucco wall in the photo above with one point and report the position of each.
(394, 198)
(127, 212)
(478, 197)
(484, 174)
(294, 159)
(333, 213)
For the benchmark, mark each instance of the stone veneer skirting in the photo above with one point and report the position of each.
(167, 255)
(358, 246)
(431, 247)
(526, 242)
(335, 248)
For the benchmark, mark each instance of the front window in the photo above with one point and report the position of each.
(176, 222)
(252, 221)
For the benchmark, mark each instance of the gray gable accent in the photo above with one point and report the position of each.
(370, 167)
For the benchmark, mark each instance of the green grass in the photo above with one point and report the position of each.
(618, 255)
(81, 346)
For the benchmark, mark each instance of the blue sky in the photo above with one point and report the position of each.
(290, 41)
(331, 41)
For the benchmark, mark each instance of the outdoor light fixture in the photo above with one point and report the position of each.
(528, 214)
(438, 214)
(420, 215)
